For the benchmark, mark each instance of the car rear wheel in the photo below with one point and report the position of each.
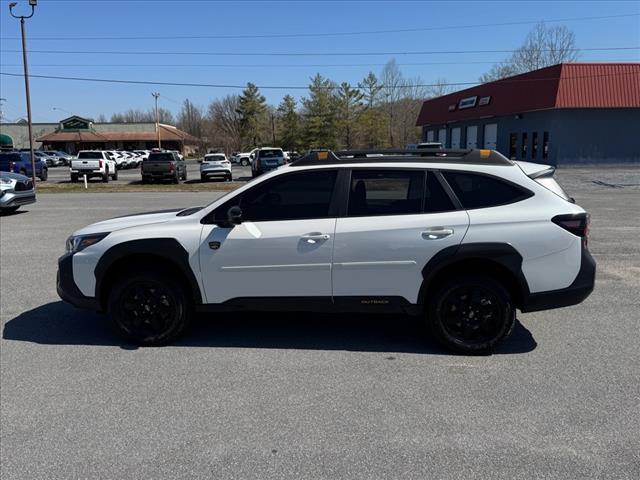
(45, 174)
(105, 176)
(203, 178)
(149, 308)
(115, 175)
(471, 314)
(244, 162)
(176, 178)
(74, 178)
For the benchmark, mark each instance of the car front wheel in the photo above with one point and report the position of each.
(149, 308)
(471, 314)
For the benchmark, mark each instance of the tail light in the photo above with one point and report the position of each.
(171, 168)
(101, 164)
(578, 224)
(257, 162)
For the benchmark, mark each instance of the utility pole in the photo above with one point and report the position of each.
(155, 96)
(22, 18)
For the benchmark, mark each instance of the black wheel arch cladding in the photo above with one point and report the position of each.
(168, 249)
(501, 254)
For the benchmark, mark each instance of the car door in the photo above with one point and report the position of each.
(396, 221)
(283, 246)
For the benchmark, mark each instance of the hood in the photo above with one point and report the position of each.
(14, 176)
(135, 220)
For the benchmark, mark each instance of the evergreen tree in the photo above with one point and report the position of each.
(252, 108)
(288, 124)
(372, 121)
(320, 114)
(350, 107)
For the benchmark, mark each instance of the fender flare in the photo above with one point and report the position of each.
(168, 249)
(502, 254)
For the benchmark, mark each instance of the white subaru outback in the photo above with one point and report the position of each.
(459, 238)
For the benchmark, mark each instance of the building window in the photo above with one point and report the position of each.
(430, 136)
(442, 136)
(523, 147)
(513, 146)
(534, 145)
(545, 145)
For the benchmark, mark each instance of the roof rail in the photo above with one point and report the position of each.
(475, 156)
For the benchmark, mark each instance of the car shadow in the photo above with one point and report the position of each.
(4, 213)
(58, 323)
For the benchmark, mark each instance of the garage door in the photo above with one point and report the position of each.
(472, 137)
(455, 137)
(490, 135)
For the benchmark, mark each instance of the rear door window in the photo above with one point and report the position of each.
(481, 191)
(385, 192)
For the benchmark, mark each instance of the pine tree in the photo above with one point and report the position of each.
(372, 121)
(320, 114)
(288, 124)
(350, 107)
(252, 108)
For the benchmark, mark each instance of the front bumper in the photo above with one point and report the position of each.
(67, 288)
(16, 199)
(575, 293)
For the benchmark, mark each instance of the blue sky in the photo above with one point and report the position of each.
(94, 18)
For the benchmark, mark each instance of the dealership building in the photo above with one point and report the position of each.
(77, 133)
(566, 113)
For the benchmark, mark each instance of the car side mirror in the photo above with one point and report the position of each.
(234, 215)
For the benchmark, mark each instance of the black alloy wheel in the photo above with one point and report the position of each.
(149, 309)
(472, 314)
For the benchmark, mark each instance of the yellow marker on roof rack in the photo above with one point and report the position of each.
(322, 155)
(485, 153)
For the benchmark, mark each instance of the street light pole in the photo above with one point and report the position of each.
(155, 96)
(22, 18)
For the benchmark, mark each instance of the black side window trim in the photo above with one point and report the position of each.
(525, 192)
(334, 203)
(346, 187)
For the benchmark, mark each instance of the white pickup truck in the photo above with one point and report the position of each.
(93, 163)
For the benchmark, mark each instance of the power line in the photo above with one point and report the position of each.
(272, 65)
(327, 34)
(313, 54)
(299, 87)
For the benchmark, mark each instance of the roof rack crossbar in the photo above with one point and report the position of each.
(470, 156)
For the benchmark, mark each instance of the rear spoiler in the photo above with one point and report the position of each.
(536, 171)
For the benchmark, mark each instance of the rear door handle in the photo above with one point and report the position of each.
(315, 237)
(436, 233)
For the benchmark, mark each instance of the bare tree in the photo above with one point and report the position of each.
(543, 46)
(393, 84)
(224, 127)
(190, 119)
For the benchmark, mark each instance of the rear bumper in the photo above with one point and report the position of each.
(67, 288)
(575, 293)
(216, 173)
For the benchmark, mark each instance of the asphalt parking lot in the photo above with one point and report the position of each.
(317, 396)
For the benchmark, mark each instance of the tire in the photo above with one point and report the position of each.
(150, 308)
(45, 174)
(176, 178)
(471, 314)
(105, 176)
(244, 162)
(74, 178)
(203, 178)
(229, 178)
(184, 177)
(115, 175)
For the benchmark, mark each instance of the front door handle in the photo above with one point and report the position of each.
(315, 237)
(436, 233)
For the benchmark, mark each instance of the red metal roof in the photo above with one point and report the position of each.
(166, 133)
(566, 85)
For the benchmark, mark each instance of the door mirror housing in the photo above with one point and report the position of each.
(234, 215)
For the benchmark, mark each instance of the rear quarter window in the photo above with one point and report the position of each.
(482, 191)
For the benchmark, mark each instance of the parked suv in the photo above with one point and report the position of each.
(266, 159)
(163, 165)
(93, 163)
(15, 191)
(20, 162)
(460, 239)
(215, 165)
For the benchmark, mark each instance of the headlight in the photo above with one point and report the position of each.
(80, 242)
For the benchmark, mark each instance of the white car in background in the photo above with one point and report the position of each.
(93, 163)
(215, 165)
(242, 159)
